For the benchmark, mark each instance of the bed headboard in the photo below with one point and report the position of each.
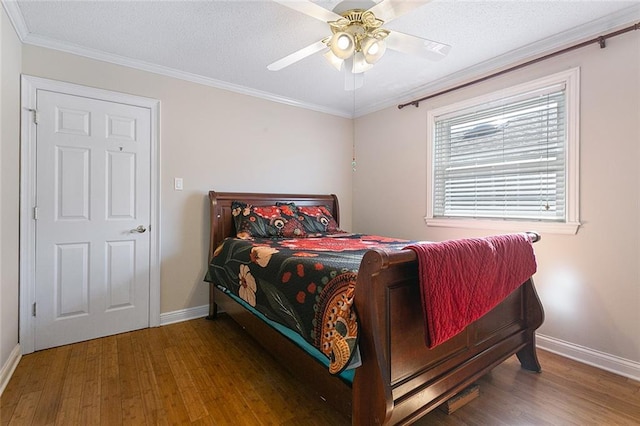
(222, 221)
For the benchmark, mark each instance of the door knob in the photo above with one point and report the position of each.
(140, 229)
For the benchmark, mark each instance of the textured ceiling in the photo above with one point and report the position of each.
(229, 44)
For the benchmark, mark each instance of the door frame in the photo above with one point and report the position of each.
(29, 87)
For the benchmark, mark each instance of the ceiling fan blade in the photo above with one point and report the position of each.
(388, 10)
(296, 56)
(417, 46)
(310, 9)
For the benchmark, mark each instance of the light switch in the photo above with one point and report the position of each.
(177, 184)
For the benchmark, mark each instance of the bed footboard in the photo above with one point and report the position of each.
(401, 379)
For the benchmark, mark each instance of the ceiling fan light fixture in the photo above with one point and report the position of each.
(373, 49)
(333, 60)
(360, 64)
(342, 44)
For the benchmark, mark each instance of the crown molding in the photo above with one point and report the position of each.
(592, 29)
(16, 19)
(171, 72)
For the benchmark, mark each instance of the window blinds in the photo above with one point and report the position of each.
(503, 160)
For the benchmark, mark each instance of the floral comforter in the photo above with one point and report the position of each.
(306, 284)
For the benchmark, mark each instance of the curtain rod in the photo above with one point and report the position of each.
(601, 40)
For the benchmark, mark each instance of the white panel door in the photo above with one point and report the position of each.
(92, 257)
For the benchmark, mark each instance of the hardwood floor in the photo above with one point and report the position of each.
(209, 373)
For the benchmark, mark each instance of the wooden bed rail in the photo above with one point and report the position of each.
(409, 255)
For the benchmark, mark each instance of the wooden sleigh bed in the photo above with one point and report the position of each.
(400, 379)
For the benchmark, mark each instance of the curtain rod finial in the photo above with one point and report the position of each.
(414, 103)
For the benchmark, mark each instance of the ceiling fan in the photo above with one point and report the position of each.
(358, 40)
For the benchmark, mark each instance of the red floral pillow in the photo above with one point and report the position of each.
(265, 221)
(317, 220)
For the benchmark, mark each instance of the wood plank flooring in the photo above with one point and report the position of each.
(210, 373)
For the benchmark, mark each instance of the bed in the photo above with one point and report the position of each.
(398, 379)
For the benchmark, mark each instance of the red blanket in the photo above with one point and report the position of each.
(461, 280)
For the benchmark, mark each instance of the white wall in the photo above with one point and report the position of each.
(215, 139)
(589, 283)
(10, 62)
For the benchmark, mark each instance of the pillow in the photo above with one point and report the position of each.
(317, 220)
(265, 221)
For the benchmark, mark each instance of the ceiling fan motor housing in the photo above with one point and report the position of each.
(358, 31)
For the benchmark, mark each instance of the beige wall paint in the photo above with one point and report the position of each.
(10, 63)
(215, 139)
(589, 283)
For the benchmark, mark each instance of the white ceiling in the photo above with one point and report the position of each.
(229, 44)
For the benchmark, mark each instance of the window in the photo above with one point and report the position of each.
(507, 160)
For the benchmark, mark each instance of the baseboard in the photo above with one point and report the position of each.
(184, 314)
(604, 361)
(9, 367)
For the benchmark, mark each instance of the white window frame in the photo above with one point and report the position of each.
(571, 79)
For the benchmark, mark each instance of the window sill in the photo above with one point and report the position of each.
(566, 228)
